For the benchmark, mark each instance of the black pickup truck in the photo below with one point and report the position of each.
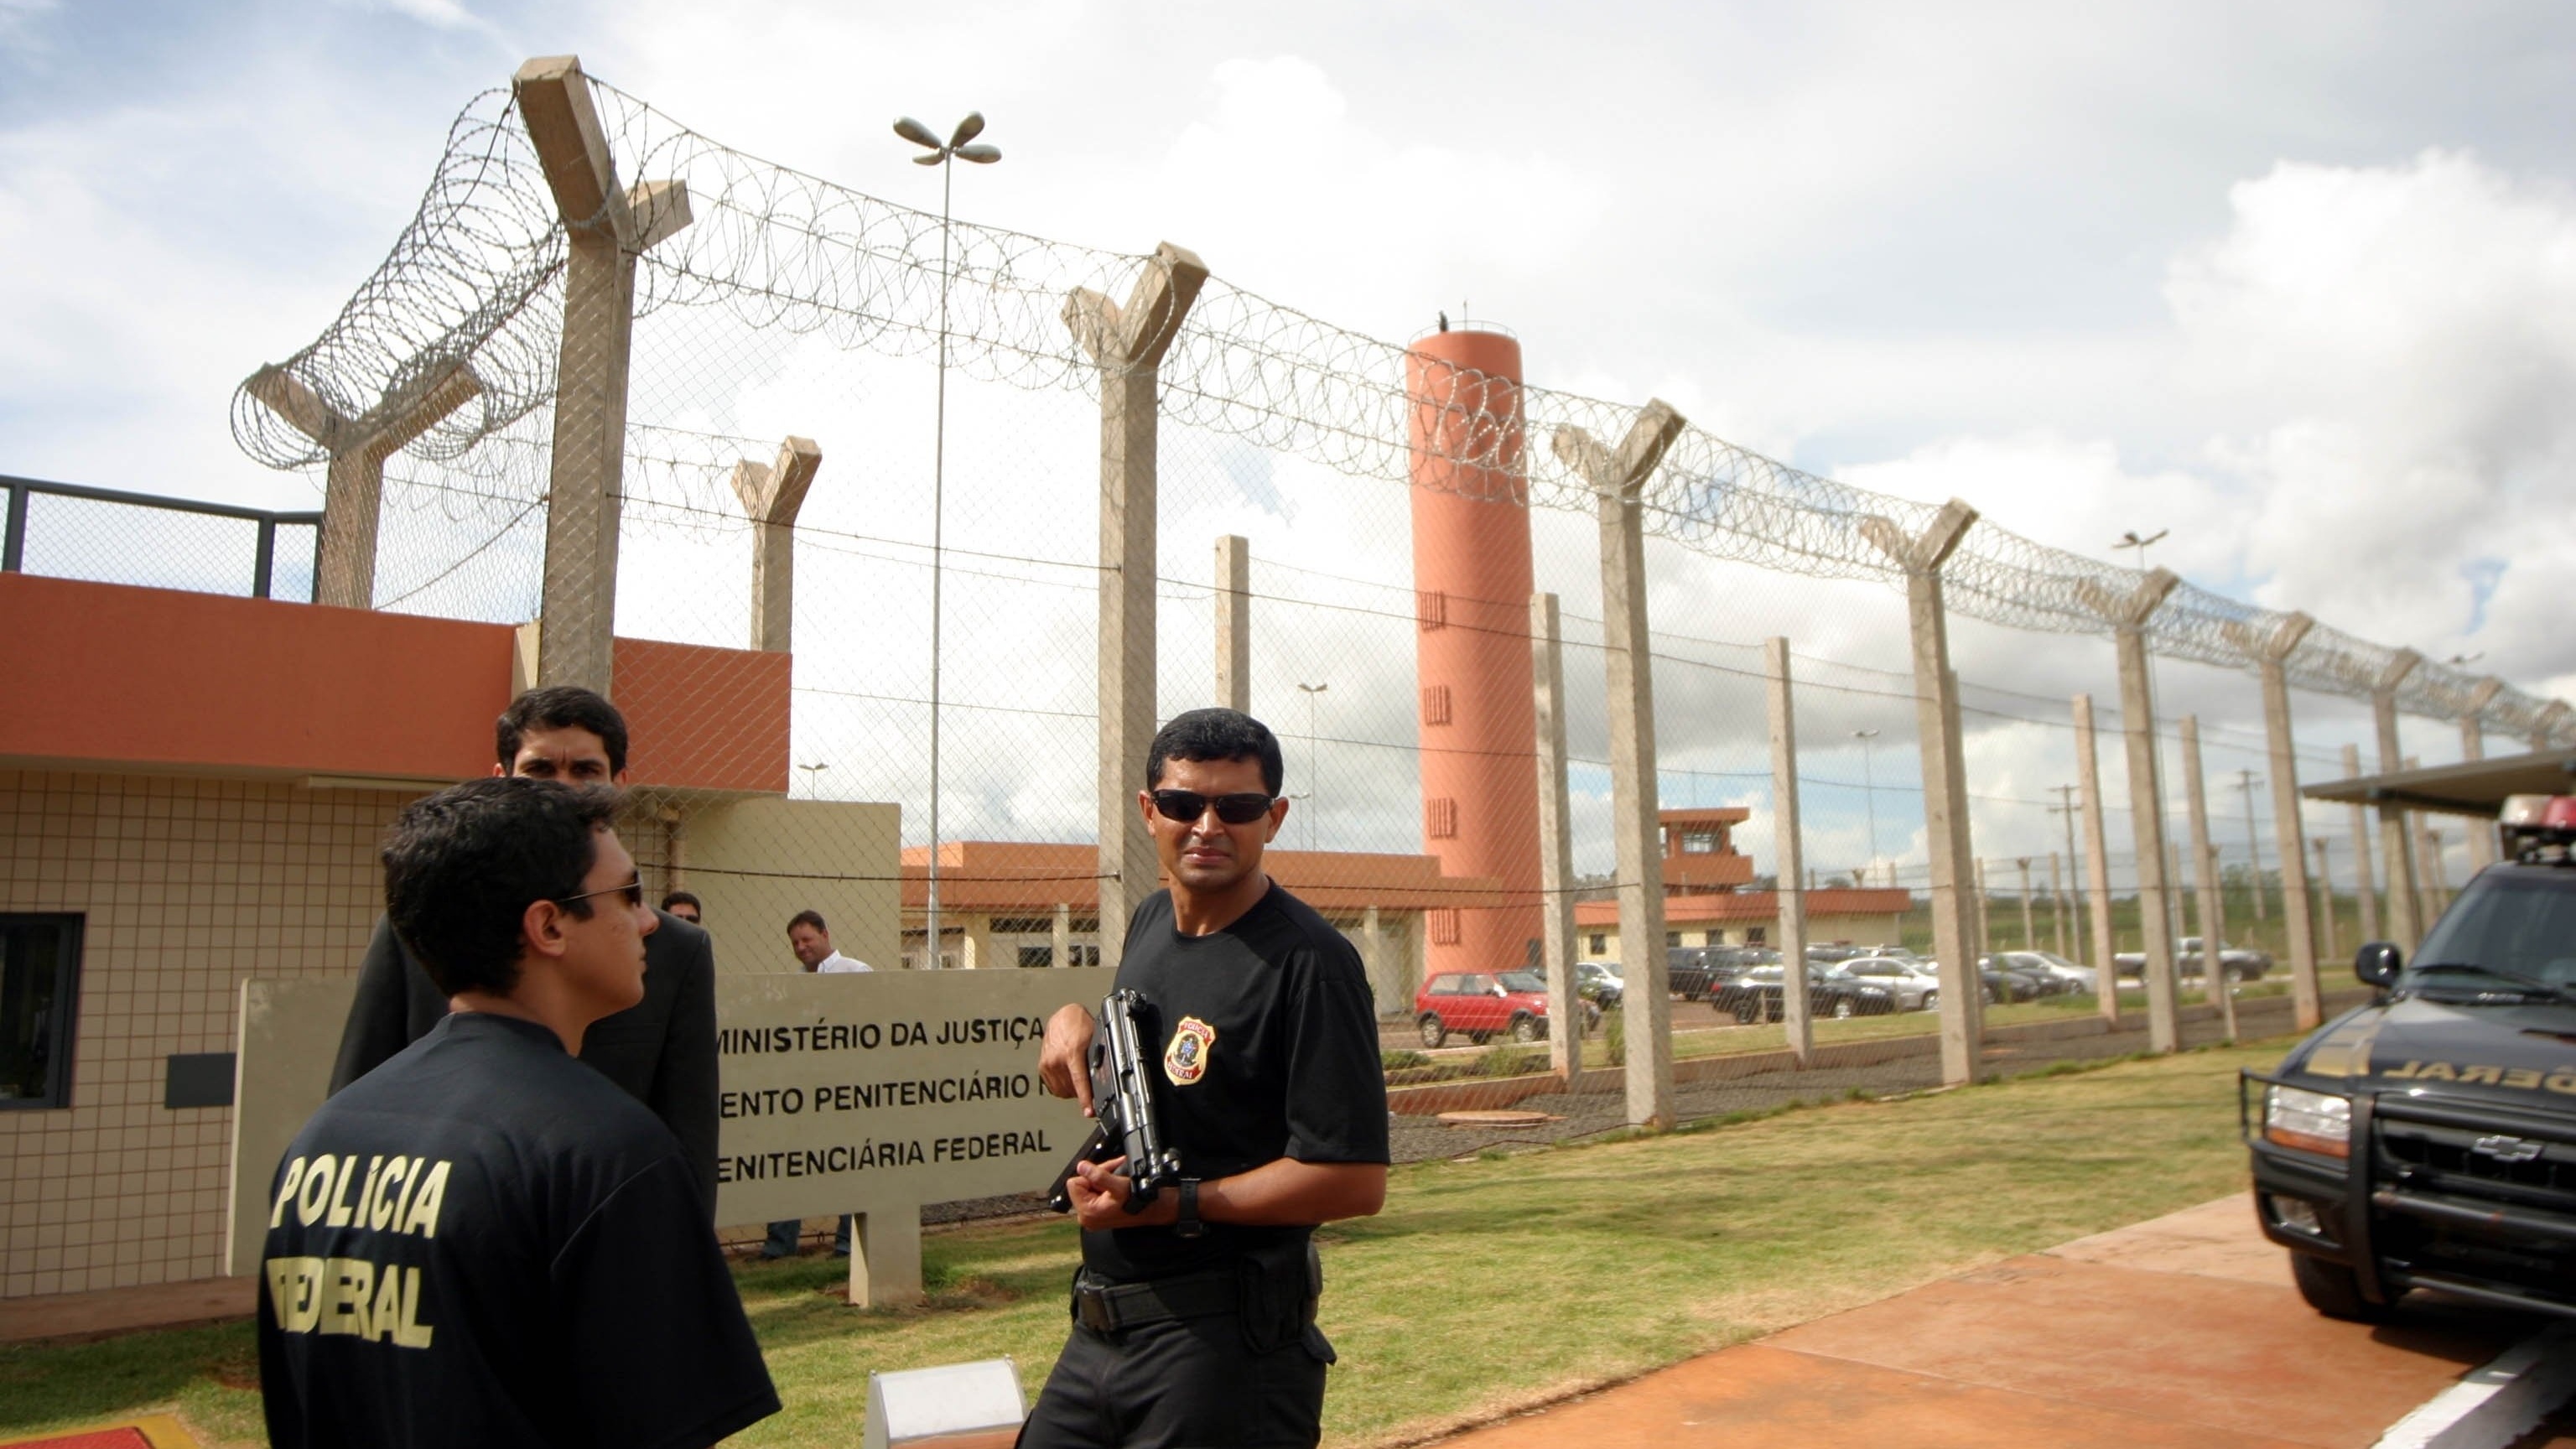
(2428, 1140)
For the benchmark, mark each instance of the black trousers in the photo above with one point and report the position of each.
(1184, 1383)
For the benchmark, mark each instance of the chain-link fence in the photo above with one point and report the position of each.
(980, 494)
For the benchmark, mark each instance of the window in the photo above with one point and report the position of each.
(39, 985)
(1699, 842)
(1672, 938)
(1037, 956)
(1601, 945)
(1440, 818)
(1435, 704)
(1431, 607)
(1757, 935)
(1442, 924)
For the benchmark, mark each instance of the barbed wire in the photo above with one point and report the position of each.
(475, 280)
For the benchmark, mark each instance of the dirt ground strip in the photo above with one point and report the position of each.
(2181, 1331)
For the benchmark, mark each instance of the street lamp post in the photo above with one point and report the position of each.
(814, 778)
(940, 154)
(1313, 773)
(2246, 780)
(1868, 790)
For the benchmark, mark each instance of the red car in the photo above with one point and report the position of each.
(1481, 1003)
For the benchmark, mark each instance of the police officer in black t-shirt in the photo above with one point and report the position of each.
(484, 1242)
(1194, 1320)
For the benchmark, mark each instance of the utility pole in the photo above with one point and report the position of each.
(2245, 781)
(2325, 897)
(2066, 808)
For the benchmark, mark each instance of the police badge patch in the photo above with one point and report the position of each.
(1186, 1059)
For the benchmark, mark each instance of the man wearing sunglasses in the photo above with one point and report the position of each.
(483, 1242)
(663, 1049)
(1270, 1090)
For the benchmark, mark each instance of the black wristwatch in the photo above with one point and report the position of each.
(1187, 1223)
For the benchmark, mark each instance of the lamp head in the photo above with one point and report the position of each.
(917, 133)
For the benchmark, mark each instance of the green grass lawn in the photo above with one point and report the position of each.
(1487, 1284)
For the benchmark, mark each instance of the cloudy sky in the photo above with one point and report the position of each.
(2296, 281)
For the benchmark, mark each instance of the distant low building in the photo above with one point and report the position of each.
(1705, 903)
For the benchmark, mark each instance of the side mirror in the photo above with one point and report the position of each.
(2377, 964)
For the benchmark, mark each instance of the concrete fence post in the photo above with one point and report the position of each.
(2128, 616)
(2363, 873)
(2270, 655)
(1234, 623)
(1060, 941)
(773, 494)
(2057, 904)
(1618, 483)
(2396, 828)
(2204, 874)
(609, 226)
(2029, 933)
(2544, 725)
(344, 573)
(1555, 843)
(2481, 834)
(1791, 853)
(2097, 865)
(2325, 901)
(1945, 791)
(1985, 900)
(1127, 344)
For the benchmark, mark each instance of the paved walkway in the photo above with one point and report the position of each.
(2181, 1331)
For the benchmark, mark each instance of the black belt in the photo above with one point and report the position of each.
(1109, 1307)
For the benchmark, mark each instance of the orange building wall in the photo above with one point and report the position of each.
(115, 676)
(1471, 576)
(705, 718)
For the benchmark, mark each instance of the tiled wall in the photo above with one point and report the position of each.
(189, 887)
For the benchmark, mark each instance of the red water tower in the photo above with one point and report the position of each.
(1471, 577)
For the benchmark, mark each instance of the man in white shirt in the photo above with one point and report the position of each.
(811, 940)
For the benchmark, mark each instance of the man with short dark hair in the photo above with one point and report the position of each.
(663, 1050)
(1274, 1100)
(811, 940)
(483, 1242)
(680, 905)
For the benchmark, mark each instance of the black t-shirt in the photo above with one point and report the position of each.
(1266, 1048)
(484, 1242)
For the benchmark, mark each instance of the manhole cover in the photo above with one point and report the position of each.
(1488, 1118)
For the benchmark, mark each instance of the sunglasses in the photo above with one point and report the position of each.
(633, 890)
(1188, 805)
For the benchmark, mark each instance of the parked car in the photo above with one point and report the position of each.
(1756, 995)
(2242, 962)
(2061, 975)
(1828, 955)
(1478, 1004)
(1694, 972)
(2007, 982)
(1914, 988)
(1600, 983)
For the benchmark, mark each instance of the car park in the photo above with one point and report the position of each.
(2428, 1139)
(1757, 993)
(2072, 976)
(1696, 972)
(1480, 1004)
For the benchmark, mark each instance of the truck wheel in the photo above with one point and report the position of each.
(1480, 1037)
(2333, 1290)
(1434, 1032)
(1931, 1001)
(1745, 1012)
(1526, 1028)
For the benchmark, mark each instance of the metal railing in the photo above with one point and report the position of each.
(163, 570)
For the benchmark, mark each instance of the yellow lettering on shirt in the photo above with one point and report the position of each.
(422, 1217)
(367, 1194)
(351, 1297)
(316, 1192)
(383, 1213)
(352, 1289)
(411, 1179)
(340, 1200)
(286, 1191)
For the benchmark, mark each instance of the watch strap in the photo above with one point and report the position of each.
(1186, 1221)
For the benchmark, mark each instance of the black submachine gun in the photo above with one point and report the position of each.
(1125, 1119)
